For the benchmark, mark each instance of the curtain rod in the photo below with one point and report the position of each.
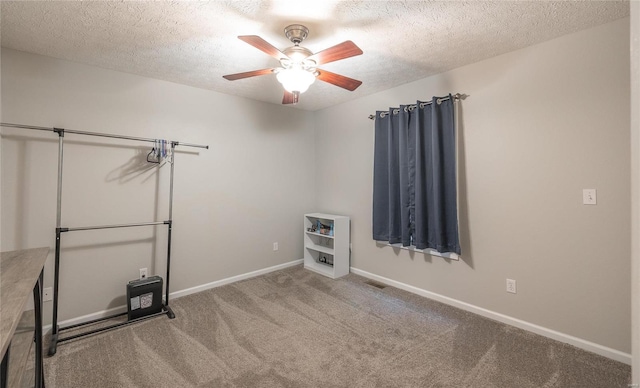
(53, 129)
(456, 97)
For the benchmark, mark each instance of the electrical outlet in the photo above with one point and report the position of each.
(143, 273)
(275, 246)
(511, 286)
(47, 294)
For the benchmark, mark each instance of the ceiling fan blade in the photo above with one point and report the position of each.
(339, 80)
(247, 74)
(262, 45)
(340, 51)
(290, 98)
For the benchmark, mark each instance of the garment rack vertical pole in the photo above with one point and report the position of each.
(169, 227)
(56, 271)
(55, 331)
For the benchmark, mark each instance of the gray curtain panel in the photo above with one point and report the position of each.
(414, 177)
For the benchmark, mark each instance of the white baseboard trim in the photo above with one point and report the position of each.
(555, 335)
(233, 279)
(175, 294)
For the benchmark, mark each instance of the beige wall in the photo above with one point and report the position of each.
(635, 194)
(231, 201)
(1, 120)
(539, 125)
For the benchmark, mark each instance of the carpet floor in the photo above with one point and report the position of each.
(294, 328)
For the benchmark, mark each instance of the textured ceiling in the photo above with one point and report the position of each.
(194, 43)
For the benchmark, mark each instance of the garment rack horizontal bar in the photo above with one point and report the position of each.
(51, 129)
(91, 321)
(166, 311)
(74, 229)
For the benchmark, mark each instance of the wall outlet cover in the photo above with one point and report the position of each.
(47, 294)
(511, 286)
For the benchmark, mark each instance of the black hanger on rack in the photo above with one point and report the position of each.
(153, 151)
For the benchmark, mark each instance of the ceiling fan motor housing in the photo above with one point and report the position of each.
(297, 55)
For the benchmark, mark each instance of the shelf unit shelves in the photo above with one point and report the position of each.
(319, 247)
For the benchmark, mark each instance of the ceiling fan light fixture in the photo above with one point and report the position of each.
(298, 65)
(295, 79)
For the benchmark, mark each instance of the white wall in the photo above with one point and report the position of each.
(539, 125)
(232, 201)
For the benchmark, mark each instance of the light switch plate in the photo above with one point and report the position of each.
(589, 197)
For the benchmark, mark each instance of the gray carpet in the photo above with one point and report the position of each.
(293, 328)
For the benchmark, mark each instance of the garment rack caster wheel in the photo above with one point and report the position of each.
(53, 345)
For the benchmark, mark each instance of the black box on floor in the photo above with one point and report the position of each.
(144, 297)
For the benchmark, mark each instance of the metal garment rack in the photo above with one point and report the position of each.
(56, 330)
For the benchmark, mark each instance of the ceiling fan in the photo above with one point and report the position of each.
(298, 65)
